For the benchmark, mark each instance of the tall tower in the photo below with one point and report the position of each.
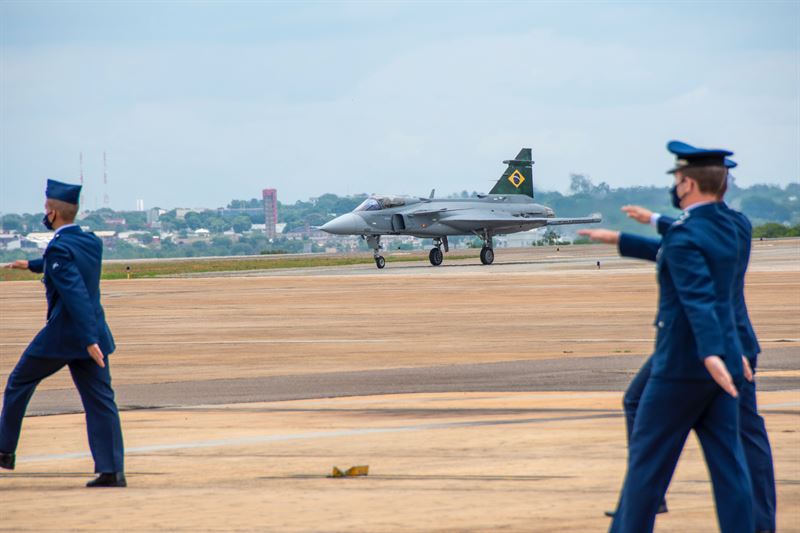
(270, 197)
(105, 181)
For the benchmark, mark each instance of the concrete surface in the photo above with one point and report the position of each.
(482, 398)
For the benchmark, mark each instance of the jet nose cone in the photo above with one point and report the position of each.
(344, 225)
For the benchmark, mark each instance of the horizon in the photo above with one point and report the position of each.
(449, 195)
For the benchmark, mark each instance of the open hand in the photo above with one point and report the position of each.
(716, 367)
(19, 264)
(638, 213)
(606, 236)
(748, 372)
(96, 354)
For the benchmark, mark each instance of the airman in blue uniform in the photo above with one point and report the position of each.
(753, 430)
(697, 362)
(76, 335)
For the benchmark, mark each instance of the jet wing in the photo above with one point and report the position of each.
(488, 220)
(470, 222)
(562, 221)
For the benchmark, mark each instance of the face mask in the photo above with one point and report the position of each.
(676, 200)
(47, 223)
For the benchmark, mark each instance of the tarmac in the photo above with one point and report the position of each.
(482, 398)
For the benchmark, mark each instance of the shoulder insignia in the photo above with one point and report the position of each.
(683, 218)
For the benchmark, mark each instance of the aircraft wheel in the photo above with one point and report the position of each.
(436, 256)
(487, 256)
(380, 262)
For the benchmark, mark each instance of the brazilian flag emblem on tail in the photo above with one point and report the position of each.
(518, 177)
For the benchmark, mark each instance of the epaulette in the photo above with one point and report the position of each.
(683, 218)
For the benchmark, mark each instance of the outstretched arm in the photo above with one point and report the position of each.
(629, 245)
(34, 265)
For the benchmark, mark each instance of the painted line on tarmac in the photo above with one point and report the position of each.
(314, 435)
(373, 340)
(263, 341)
(404, 397)
(778, 405)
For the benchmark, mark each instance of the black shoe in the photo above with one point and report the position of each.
(113, 479)
(661, 510)
(7, 460)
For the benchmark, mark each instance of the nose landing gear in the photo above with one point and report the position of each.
(374, 242)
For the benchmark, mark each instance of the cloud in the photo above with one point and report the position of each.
(199, 121)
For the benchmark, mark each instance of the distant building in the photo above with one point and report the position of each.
(252, 212)
(140, 205)
(181, 212)
(270, 212)
(152, 217)
(107, 236)
(23, 244)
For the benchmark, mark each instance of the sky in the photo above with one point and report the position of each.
(198, 103)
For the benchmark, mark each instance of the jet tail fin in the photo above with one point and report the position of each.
(518, 177)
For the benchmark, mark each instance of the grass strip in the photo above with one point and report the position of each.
(117, 269)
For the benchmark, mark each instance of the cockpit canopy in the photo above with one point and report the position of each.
(376, 203)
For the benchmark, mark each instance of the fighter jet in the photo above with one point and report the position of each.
(508, 208)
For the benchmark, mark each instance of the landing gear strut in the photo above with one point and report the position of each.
(374, 242)
(487, 252)
(436, 256)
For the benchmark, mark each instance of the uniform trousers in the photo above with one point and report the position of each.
(754, 439)
(667, 412)
(94, 386)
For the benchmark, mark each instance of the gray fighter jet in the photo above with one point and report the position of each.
(508, 208)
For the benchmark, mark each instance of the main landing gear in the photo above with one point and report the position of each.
(374, 242)
(436, 256)
(487, 252)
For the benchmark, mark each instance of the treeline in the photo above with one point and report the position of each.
(761, 203)
(218, 245)
(771, 230)
(774, 211)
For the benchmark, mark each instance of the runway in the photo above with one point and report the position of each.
(610, 373)
(482, 398)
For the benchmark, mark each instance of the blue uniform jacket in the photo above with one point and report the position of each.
(646, 248)
(75, 319)
(697, 271)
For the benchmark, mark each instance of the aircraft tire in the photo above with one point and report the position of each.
(380, 262)
(436, 257)
(487, 256)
